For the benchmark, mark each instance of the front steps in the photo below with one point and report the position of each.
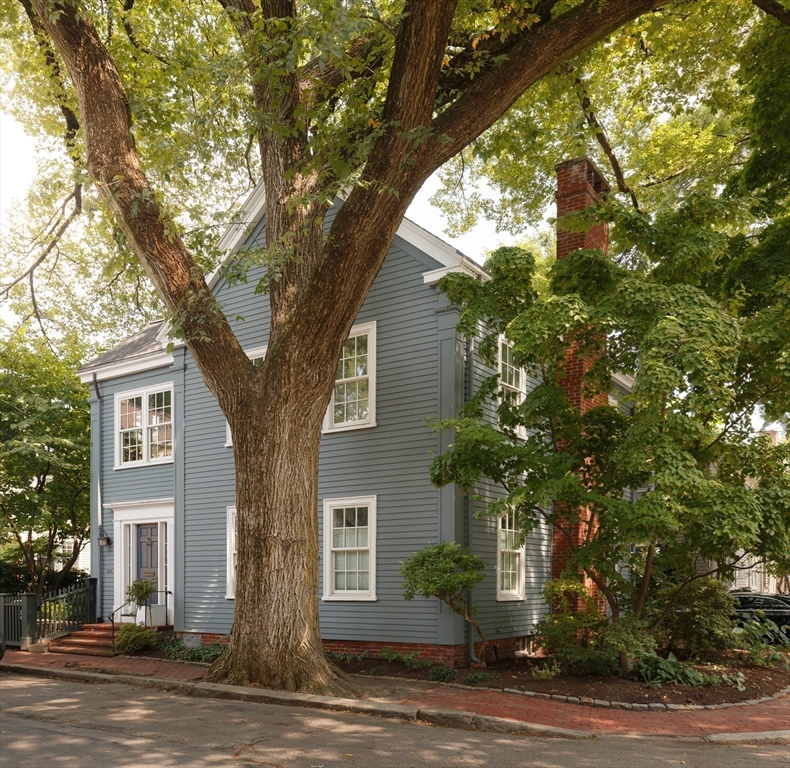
(91, 640)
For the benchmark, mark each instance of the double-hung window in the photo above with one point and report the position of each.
(510, 559)
(512, 379)
(230, 588)
(350, 548)
(144, 426)
(353, 403)
(256, 358)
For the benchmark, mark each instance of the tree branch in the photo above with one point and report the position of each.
(127, 26)
(113, 162)
(602, 137)
(775, 9)
(537, 53)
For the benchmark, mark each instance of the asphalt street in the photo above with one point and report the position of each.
(62, 724)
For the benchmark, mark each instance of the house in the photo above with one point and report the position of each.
(162, 499)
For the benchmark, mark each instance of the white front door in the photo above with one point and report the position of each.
(143, 549)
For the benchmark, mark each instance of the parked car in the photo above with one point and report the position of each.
(774, 607)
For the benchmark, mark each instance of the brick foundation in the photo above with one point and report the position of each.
(449, 655)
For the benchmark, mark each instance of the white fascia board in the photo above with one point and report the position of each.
(167, 502)
(126, 367)
(624, 380)
(435, 275)
(434, 246)
(235, 235)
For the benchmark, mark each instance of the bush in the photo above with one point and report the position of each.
(765, 642)
(670, 671)
(442, 674)
(135, 637)
(546, 672)
(701, 618)
(173, 648)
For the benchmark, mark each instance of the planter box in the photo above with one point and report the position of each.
(152, 616)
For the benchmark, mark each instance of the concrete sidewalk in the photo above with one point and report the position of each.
(439, 704)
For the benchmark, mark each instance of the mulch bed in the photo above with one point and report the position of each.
(759, 681)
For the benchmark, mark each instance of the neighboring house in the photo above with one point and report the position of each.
(162, 499)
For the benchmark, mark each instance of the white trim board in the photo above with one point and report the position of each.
(127, 367)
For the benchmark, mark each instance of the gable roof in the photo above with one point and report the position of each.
(141, 351)
(146, 349)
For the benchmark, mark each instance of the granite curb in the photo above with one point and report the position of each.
(624, 705)
(448, 718)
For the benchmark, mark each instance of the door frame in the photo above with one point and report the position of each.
(128, 515)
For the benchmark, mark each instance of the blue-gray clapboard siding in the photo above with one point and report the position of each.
(129, 484)
(505, 618)
(389, 461)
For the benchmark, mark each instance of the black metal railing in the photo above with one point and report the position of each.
(25, 618)
(67, 609)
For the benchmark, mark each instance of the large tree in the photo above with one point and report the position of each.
(44, 462)
(363, 98)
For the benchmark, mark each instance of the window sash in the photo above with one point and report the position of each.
(353, 402)
(350, 548)
(512, 379)
(231, 555)
(144, 426)
(510, 558)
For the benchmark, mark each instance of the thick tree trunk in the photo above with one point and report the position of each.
(275, 640)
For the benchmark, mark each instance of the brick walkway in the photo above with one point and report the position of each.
(114, 665)
(768, 716)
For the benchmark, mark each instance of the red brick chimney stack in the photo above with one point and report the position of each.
(579, 183)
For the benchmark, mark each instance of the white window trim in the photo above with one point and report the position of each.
(125, 517)
(329, 506)
(144, 392)
(358, 330)
(230, 578)
(520, 593)
(520, 431)
(252, 354)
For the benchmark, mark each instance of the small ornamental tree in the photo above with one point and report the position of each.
(446, 571)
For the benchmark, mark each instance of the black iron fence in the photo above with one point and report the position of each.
(26, 618)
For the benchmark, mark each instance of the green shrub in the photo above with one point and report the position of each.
(135, 637)
(546, 672)
(473, 678)
(174, 648)
(377, 670)
(670, 671)
(765, 643)
(701, 618)
(580, 639)
(442, 674)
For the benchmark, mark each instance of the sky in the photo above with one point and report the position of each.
(17, 168)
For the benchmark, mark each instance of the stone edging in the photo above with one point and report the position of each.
(634, 706)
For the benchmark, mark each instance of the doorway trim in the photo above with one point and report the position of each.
(128, 515)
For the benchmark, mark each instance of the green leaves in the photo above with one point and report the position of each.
(442, 570)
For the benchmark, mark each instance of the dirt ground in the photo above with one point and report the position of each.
(759, 682)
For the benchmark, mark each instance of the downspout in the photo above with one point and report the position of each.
(99, 511)
(469, 370)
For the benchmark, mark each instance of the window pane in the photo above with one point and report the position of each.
(362, 516)
(337, 518)
(132, 413)
(340, 561)
(340, 579)
(338, 539)
(364, 561)
(350, 517)
(364, 580)
(362, 537)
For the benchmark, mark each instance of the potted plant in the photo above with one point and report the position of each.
(140, 592)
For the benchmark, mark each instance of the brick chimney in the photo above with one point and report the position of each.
(579, 183)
